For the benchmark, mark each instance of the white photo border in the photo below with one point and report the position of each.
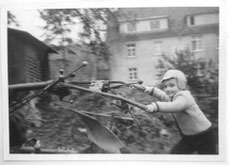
(35, 4)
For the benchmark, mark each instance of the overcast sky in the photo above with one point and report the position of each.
(30, 22)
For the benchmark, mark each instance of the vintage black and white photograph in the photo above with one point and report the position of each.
(114, 80)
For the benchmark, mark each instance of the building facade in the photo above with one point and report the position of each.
(72, 56)
(139, 36)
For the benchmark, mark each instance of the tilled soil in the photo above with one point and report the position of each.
(63, 129)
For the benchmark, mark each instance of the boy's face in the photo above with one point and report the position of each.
(170, 87)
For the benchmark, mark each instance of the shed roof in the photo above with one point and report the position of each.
(27, 37)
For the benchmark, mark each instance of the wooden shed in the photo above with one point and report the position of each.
(28, 58)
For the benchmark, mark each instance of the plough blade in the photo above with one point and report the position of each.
(99, 134)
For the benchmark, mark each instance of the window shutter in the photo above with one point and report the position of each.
(33, 69)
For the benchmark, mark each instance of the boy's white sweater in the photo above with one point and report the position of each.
(190, 118)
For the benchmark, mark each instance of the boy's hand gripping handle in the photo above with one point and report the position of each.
(139, 87)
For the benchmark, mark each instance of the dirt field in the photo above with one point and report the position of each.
(62, 129)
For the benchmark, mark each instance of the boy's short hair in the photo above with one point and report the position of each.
(178, 75)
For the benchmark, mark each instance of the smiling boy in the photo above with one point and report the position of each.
(197, 132)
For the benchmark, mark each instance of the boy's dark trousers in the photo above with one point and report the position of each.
(202, 143)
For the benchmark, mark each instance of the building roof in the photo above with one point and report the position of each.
(176, 21)
(27, 37)
(172, 12)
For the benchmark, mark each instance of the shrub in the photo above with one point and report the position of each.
(202, 75)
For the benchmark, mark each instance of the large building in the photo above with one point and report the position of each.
(72, 56)
(139, 36)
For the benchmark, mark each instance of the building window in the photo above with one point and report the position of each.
(197, 44)
(192, 20)
(131, 50)
(157, 48)
(144, 25)
(133, 75)
(131, 27)
(203, 19)
(155, 25)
